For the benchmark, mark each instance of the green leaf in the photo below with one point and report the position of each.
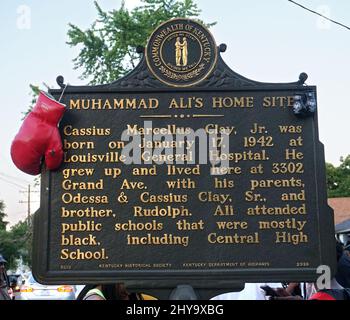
(338, 178)
(107, 48)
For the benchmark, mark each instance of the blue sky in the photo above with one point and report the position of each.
(269, 41)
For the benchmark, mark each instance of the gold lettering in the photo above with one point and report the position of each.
(233, 102)
(69, 185)
(78, 254)
(78, 145)
(90, 212)
(233, 239)
(74, 104)
(282, 102)
(78, 198)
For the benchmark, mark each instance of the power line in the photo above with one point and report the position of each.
(28, 203)
(13, 183)
(319, 14)
(13, 178)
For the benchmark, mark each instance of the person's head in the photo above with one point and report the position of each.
(343, 270)
(2, 262)
(2, 266)
(344, 238)
(115, 291)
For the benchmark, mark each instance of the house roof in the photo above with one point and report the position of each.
(341, 207)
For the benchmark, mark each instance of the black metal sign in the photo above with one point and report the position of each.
(168, 178)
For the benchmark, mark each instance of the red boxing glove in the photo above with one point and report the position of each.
(39, 136)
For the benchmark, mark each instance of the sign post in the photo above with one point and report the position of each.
(185, 172)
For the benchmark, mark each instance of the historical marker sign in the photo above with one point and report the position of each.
(185, 172)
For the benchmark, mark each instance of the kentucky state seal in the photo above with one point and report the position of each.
(181, 53)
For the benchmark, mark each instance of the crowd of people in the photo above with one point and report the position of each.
(4, 281)
(338, 289)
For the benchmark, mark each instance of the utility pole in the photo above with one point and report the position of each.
(29, 192)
